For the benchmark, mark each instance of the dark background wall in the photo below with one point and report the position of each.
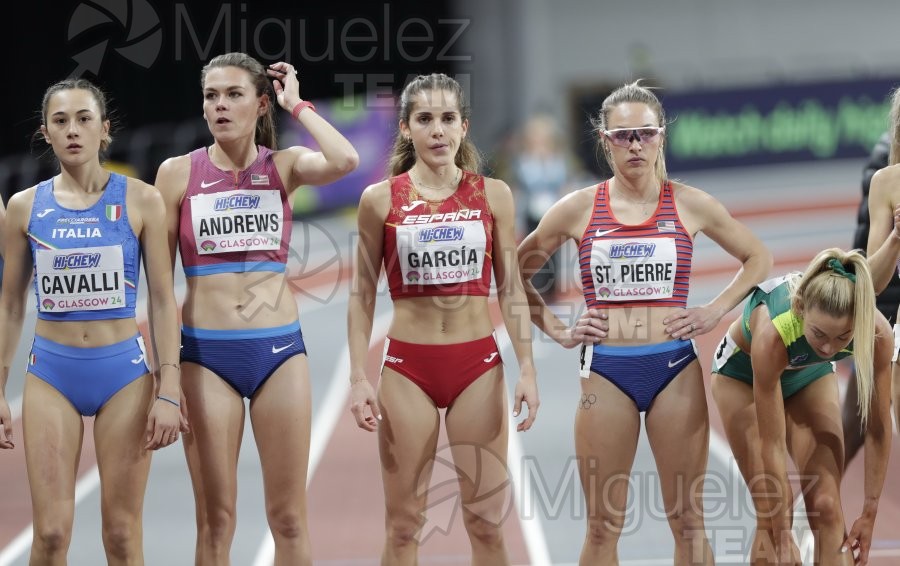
(515, 57)
(147, 54)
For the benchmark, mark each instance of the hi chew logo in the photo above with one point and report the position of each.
(442, 234)
(631, 250)
(235, 202)
(129, 27)
(76, 261)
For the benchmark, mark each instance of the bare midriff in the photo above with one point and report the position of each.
(441, 319)
(223, 301)
(636, 326)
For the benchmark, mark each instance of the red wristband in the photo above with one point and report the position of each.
(300, 107)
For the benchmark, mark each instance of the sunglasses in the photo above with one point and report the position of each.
(624, 137)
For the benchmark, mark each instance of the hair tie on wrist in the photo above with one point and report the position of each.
(302, 105)
(167, 400)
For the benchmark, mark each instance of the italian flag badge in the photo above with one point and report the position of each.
(114, 211)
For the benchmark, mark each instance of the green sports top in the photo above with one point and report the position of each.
(775, 293)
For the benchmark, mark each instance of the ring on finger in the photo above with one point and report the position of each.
(693, 327)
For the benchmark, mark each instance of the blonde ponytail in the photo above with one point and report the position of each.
(839, 283)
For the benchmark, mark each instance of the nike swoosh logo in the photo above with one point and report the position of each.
(138, 360)
(676, 362)
(490, 358)
(412, 205)
(276, 350)
(600, 234)
(205, 185)
(45, 213)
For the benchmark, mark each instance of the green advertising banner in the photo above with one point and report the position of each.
(775, 124)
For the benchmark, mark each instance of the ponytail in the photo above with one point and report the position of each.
(839, 283)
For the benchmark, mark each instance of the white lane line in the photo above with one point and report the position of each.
(532, 528)
(333, 406)
(306, 305)
(719, 448)
(85, 485)
(90, 480)
(15, 407)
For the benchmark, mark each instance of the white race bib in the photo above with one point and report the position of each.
(726, 348)
(441, 253)
(80, 279)
(770, 285)
(633, 269)
(237, 221)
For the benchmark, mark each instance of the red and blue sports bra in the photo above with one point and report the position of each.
(647, 264)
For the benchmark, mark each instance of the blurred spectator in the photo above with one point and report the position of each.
(887, 302)
(540, 171)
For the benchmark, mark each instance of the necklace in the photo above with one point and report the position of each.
(452, 185)
(642, 203)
